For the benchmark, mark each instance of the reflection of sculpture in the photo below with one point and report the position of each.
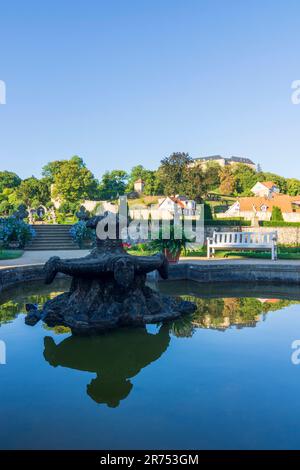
(108, 290)
(115, 358)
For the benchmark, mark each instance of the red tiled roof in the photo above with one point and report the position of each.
(268, 184)
(280, 200)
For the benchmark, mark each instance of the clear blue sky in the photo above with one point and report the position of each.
(122, 83)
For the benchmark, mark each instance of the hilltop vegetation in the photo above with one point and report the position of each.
(71, 182)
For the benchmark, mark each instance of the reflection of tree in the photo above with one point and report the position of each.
(34, 293)
(115, 358)
(8, 311)
(224, 313)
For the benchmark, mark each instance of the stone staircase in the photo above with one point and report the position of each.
(52, 237)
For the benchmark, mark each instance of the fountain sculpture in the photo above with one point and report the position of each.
(108, 290)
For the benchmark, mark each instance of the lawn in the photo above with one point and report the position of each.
(10, 254)
(284, 252)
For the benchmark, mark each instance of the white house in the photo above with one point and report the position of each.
(264, 188)
(173, 203)
(260, 208)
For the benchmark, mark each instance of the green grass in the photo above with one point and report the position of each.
(284, 252)
(10, 254)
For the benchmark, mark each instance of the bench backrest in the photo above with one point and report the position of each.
(244, 238)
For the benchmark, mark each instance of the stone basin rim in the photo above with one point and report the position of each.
(202, 272)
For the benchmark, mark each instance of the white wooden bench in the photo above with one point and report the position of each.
(242, 241)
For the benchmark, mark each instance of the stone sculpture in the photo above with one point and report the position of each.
(108, 290)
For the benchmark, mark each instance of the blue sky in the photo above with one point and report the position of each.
(122, 83)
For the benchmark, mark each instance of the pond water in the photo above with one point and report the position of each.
(222, 378)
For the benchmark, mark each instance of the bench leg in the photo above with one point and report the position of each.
(274, 252)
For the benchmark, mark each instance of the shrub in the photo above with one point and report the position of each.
(229, 222)
(13, 230)
(81, 234)
(207, 212)
(276, 215)
(281, 223)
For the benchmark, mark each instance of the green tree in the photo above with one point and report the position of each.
(293, 186)
(245, 178)
(151, 179)
(171, 172)
(280, 181)
(212, 175)
(113, 184)
(74, 182)
(8, 179)
(52, 169)
(276, 215)
(194, 183)
(32, 192)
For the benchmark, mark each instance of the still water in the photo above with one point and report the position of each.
(222, 378)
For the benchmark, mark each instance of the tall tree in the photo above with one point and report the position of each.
(245, 178)
(212, 175)
(151, 179)
(227, 181)
(32, 192)
(74, 182)
(293, 186)
(194, 183)
(52, 169)
(113, 184)
(8, 179)
(171, 172)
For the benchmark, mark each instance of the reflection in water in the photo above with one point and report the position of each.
(225, 313)
(115, 358)
(121, 355)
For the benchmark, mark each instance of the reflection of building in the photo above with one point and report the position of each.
(222, 161)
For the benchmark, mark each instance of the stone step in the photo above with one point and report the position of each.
(52, 237)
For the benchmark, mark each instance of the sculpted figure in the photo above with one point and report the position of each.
(108, 290)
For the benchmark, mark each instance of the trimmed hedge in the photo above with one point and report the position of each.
(228, 222)
(274, 223)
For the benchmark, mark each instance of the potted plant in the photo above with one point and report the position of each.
(171, 246)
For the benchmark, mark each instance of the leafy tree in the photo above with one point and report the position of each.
(276, 215)
(245, 178)
(171, 172)
(32, 192)
(113, 184)
(227, 181)
(151, 179)
(52, 169)
(293, 186)
(280, 181)
(8, 179)
(194, 183)
(212, 175)
(74, 182)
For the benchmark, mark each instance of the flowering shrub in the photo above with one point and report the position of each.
(82, 234)
(15, 231)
